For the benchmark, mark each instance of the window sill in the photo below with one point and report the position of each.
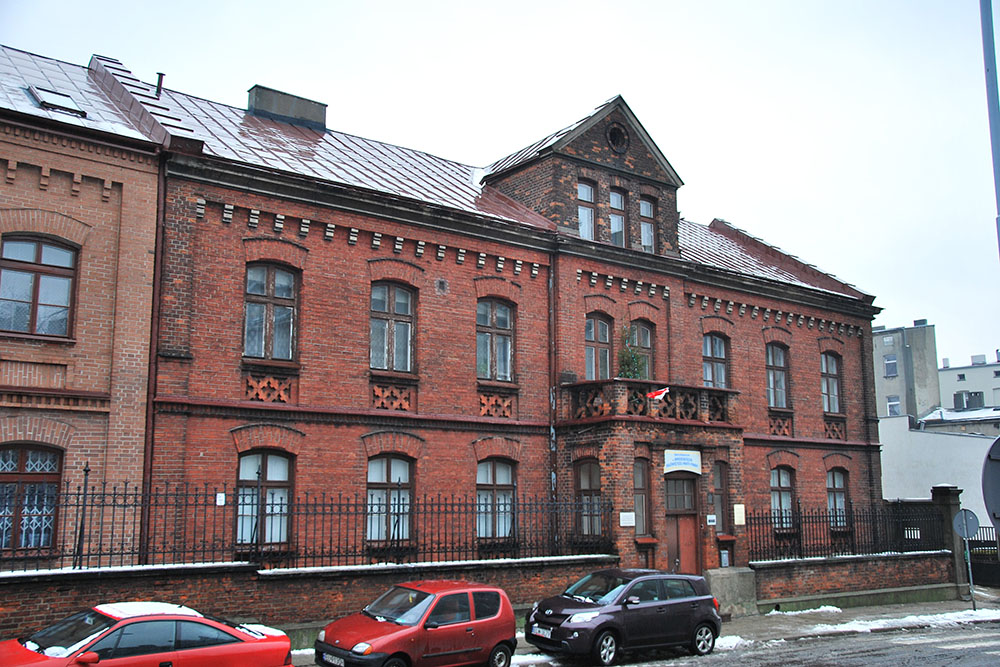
(63, 340)
(835, 415)
(498, 385)
(377, 374)
(271, 365)
(646, 541)
(785, 412)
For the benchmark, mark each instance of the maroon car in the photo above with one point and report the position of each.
(611, 611)
(424, 623)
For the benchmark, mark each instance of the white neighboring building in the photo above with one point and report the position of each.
(914, 461)
(974, 386)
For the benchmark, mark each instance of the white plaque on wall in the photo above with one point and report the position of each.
(739, 514)
(682, 460)
(626, 518)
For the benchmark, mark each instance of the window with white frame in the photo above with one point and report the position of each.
(586, 212)
(892, 406)
(890, 365)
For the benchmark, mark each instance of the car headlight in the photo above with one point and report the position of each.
(583, 617)
(322, 635)
(362, 648)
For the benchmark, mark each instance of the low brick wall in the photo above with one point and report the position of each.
(851, 578)
(276, 597)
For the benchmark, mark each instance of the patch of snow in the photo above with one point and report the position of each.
(730, 642)
(417, 567)
(927, 620)
(256, 628)
(121, 610)
(530, 658)
(304, 651)
(824, 608)
(119, 568)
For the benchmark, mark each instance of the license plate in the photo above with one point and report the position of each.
(541, 632)
(334, 659)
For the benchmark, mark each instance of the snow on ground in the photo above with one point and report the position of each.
(925, 620)
(824, 608)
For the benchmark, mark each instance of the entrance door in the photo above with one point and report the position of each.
(682, 524)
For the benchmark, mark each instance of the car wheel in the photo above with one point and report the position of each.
(394, 662)
(500, 656)
(606, 648)
(703, 640)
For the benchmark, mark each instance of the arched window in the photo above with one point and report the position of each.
(390, 492)
(585, 209)
(588, 494)
(618, 218)
(494, 340)
(269, 328)
(392, 314)
(830, 382)
(782, 496)
(640, 339)
(495, 498)
(264, 492)
(715, 360)
(37, 278)
(777, 376)
(836, 497)
(29, 491)
(597, 346)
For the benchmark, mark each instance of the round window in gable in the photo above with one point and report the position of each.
(618, 138)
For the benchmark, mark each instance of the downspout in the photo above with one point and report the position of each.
(553, 373)
(870, 416)
(154, 335)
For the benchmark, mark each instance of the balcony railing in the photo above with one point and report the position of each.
(620, 396)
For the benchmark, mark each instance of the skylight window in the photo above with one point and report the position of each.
(52, 99)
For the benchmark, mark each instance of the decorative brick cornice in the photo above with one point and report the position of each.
(783, 318)
(72, 145)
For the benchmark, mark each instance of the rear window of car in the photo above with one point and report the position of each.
(679, 588)
(487, 603)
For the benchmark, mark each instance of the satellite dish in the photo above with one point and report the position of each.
(991, 483)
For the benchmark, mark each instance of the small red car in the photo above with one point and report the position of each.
(424, 624)
(134, 634)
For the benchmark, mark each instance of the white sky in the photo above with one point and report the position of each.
(850, 133)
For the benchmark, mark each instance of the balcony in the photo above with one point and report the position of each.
(622, 397)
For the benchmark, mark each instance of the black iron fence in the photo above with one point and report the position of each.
(983, 546)
(43, 527)
(806, 533)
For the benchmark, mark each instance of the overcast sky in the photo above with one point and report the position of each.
(852, 134)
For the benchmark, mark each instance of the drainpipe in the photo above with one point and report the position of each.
(154, 335)
(553, 288)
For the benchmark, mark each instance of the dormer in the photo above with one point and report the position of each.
(602, 180)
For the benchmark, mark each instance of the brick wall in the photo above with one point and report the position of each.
(28, 603)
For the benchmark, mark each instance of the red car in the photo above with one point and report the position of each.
(134, 634)
(424, 623)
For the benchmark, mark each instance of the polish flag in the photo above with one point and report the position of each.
(658, 394)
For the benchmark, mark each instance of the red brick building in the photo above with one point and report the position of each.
(78, 202)
(340, 316)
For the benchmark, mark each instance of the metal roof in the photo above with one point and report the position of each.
(20, 70)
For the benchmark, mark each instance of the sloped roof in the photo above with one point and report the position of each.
(725, 247)
(20, 69)
(231, 133)
(557, 140)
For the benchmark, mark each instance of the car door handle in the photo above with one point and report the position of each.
(661, 610)
(470, 630)
(167, 664)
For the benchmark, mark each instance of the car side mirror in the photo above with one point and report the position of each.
(88, 658)
(632, 599)
(430, 625)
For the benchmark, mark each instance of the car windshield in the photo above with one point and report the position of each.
(400, 605)
(599, 588)
(70, 631)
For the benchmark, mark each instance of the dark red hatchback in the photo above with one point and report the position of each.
(424, 623)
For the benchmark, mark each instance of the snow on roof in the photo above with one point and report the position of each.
(122, 610)
(84, 104)
(975, 414)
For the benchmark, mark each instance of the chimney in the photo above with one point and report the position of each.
(945, 363)
(979, 360)
(919, 323)
(276, 105)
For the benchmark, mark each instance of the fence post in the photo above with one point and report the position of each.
(81, 518)
(947, 499)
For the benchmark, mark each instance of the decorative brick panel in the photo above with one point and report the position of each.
(390, 396)
(496, 404)
(270, 388)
